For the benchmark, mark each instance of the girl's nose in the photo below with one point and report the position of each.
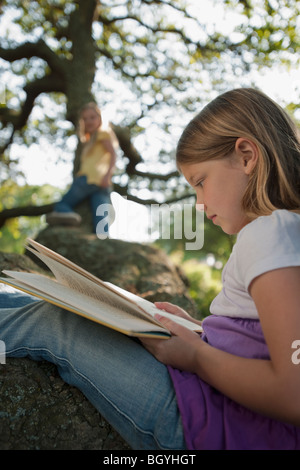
(199, 199)
(200, 207)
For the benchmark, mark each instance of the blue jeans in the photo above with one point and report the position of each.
(128, 386)
(81, 190)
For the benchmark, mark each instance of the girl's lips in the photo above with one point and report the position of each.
(212, 217)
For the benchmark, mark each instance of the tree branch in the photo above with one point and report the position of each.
(157, 29)
(49, 83)
(123, 135)
(30, 211)
(34, 211)
(33, 49)
(46, 84)
(155, 176)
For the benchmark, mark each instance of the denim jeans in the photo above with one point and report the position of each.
(128, 386)
(81, 190)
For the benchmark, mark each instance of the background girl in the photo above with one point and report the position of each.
(93, 178)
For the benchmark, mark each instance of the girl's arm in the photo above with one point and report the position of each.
(270, 387)
(106, 181)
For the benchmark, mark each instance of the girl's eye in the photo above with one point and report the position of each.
(200, 183)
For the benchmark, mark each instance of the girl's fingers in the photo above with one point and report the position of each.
(175, 328)
(171, 308)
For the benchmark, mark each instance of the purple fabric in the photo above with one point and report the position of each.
(214, 422)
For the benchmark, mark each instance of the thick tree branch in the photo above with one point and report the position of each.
(31, 211)
(33, 49)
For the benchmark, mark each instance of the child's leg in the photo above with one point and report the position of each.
(13, 298)
(102, 210)
(125, 383)
(78, 192)
(63, 210)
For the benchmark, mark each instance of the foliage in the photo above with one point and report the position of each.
(204, 284)
(179, 226)
(151, 63)
(14, 233)
(202, 267)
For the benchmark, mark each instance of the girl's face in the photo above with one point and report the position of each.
(220, 186)
(92, 121)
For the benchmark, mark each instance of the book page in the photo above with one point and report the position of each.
(100, 292)
(77, 276)
(61, 259)
(150, 308)
(51, 290)
(54, 261)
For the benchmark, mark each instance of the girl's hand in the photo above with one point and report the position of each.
(180, 351)
(175, 310)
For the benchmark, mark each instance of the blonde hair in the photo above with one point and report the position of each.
(90, 140)
(249, 113)
(81, 130)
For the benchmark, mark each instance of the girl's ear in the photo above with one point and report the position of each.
(247, 152)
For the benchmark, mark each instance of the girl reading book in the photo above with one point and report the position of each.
(236, 385)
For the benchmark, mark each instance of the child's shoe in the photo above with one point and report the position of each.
(63, 218)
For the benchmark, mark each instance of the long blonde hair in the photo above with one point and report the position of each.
(249, 113)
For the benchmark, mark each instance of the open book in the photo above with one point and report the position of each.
(78, 291)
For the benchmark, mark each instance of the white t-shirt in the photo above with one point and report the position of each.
(267, 243)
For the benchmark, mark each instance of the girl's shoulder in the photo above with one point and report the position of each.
(279, 224)
(102, 134)
(269, 242)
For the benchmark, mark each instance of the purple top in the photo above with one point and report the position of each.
(212, 421)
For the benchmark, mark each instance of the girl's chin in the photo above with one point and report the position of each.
(232, 230)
